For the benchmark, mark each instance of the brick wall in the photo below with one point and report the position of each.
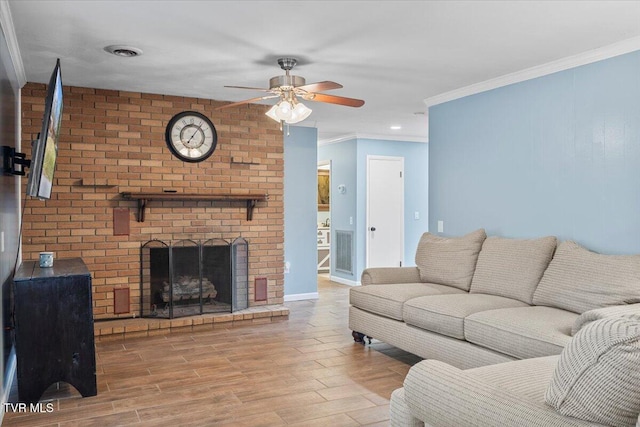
(113, 141)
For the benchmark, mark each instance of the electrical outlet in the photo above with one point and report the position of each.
(350, 220)
(287, 267)
(440, 226)
(416, 215)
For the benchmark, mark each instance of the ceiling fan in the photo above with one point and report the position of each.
(288, 89)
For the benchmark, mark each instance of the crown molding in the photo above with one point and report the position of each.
(8, 29)
(606, 52)
(353, 136)
(337, 139)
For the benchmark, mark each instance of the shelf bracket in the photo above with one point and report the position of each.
(142, 204)
(251, 203)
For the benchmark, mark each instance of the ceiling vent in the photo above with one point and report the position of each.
(124, 51)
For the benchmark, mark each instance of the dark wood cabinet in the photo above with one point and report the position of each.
(54, 328)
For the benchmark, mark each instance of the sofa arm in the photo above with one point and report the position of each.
(390, 275)
(601, 313)
(442, 395)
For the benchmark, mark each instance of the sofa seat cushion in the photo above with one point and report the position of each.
(449, 260)
(579, 280)
(521, 332)
(512, 268)
(526, 378)
(445, 314)
(387, 300)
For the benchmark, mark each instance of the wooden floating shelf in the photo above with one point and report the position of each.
(143, 198)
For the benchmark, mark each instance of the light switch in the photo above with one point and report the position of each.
(440, 226)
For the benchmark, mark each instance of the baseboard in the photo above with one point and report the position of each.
(300, 297)
(344, 281)
(10, 374)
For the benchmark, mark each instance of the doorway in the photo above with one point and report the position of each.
(324, 217)
(385, 211)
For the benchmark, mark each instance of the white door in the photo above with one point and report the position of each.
(385, 211)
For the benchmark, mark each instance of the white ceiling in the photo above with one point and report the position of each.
(392, 54)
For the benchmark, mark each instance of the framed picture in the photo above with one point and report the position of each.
(324, 186)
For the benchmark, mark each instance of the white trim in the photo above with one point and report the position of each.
(300, 297)
(616, 49)
(368, 208)
(337, 139)
(10, 373)
(344, 281)
(8, 29)
(399, 138)
(349, 137)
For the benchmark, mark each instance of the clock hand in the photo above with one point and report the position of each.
(194, 134)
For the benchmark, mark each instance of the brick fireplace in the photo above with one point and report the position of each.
(113, 142)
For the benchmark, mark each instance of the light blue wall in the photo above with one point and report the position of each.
(557, 155)
(300, 206)
(343, 206)
(349, 167)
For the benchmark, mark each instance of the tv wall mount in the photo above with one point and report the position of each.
(13, 163)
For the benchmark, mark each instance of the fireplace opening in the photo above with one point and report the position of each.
(187, 277)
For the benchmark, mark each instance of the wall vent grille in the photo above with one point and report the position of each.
(344, 251)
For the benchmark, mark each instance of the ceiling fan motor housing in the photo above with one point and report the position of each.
(286, 82)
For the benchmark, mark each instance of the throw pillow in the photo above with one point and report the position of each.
(579, 280)
(449, 261)
(598, 374)
(512, 268)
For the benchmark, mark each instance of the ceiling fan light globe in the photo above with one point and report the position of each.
(272, 113)
(299, 113)
(283, 110)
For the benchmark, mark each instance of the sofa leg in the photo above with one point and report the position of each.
(359, 337)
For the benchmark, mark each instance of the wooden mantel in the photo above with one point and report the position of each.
(251, 199)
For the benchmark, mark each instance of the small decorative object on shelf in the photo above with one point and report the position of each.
(46, 259)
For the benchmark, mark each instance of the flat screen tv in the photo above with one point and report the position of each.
(44, 150)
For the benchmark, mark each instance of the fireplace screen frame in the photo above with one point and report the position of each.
(191, 277)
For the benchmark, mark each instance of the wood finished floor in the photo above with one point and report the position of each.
(304, 371)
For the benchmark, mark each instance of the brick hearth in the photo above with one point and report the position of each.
(140, 327)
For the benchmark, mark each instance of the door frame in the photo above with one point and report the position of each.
(368, 210)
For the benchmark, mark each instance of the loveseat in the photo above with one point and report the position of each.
(474, 301)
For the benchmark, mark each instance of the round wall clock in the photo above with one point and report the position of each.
(191, 136)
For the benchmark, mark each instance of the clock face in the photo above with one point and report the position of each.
(191, 136)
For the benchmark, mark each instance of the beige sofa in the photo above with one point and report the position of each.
(474, 301)
(594, 382)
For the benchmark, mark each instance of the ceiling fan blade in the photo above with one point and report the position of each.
(332, 99)
(250, 88)
(320, 86)
(247, 101)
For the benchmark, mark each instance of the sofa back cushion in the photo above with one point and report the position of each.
(512, 268)
(449, 260)
(597, 377)
(579, 280)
